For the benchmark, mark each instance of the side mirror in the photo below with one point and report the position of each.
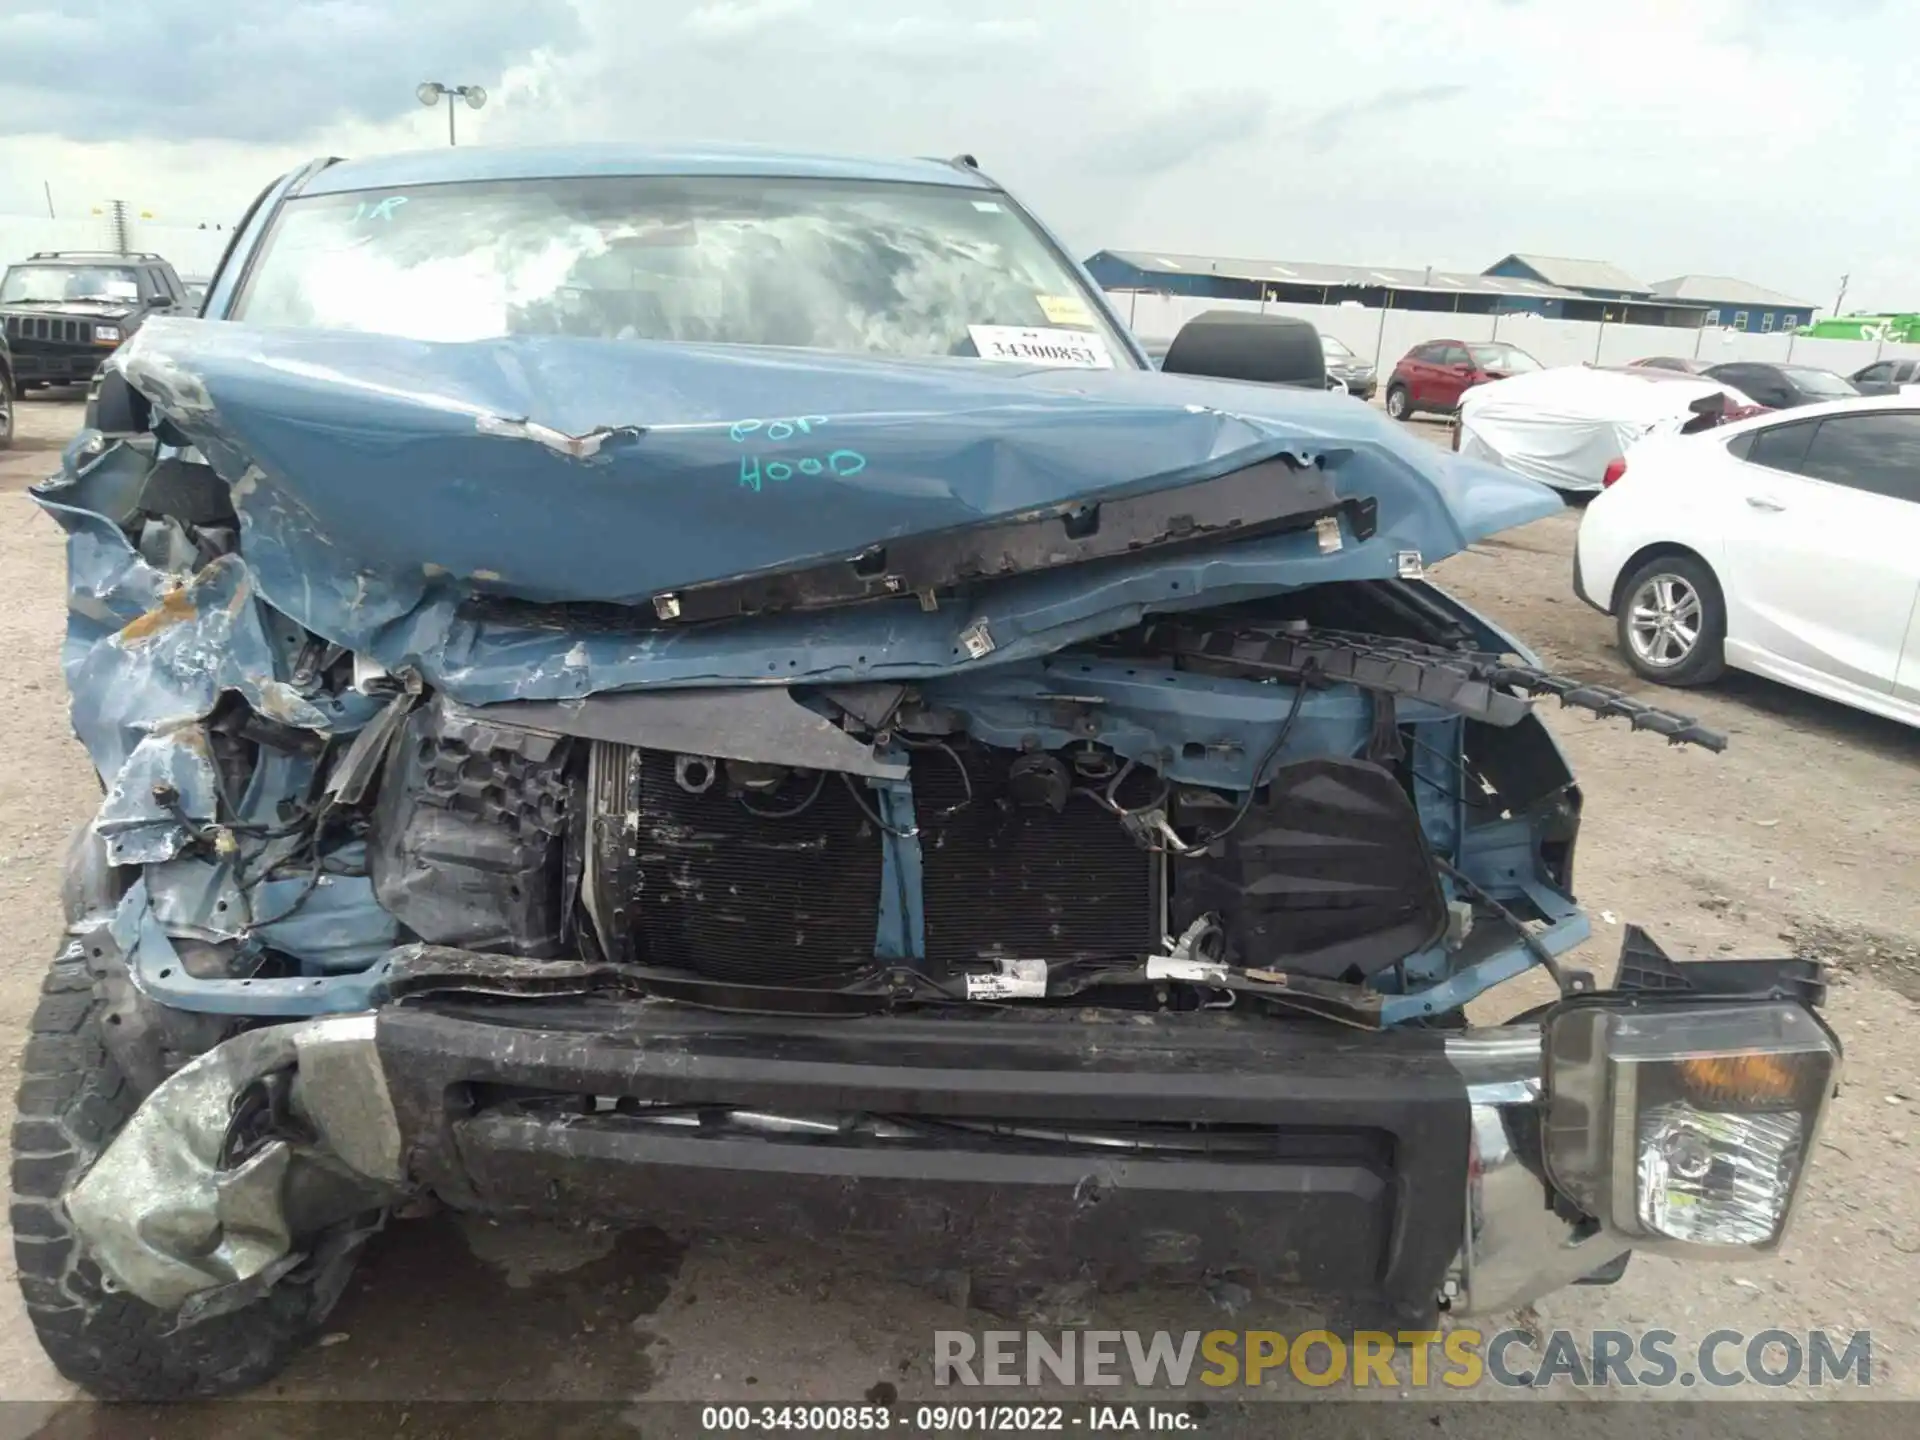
(1262, 349)
(161, 302)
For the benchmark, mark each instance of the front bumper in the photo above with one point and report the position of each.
(1388, 1172)
(1024, 1149)
(39, 366)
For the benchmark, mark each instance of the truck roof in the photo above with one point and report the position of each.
(450, 164)
(94, 257)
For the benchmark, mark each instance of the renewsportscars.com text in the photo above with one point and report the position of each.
(1459, 1359)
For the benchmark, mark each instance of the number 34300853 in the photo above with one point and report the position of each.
(756, 469)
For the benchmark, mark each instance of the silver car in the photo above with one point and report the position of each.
(1348, 368)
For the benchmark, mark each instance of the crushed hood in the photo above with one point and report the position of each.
(384, 485)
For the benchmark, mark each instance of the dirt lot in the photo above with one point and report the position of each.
(1804, 836)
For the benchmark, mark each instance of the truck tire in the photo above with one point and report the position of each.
(7, 416)
(73, 1099)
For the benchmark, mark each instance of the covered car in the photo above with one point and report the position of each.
(718, 688)
(1564, 426)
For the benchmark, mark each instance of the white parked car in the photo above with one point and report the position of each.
(1562, 426)
(1787, 544)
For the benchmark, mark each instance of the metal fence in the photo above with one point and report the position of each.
(1383, 336)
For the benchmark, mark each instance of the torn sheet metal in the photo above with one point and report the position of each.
(200, 896)
(175, 763)
(149, 654)
(401, 500)
(573, 447)
(167, 1215)
(337, 926)
(172, 663)
(344, 974)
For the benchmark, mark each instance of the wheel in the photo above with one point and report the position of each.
(1399, 402)
(1672, 621)
(72, 1100)
(6, 410)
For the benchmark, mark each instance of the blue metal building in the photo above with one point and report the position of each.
(1306, 283)
(1595, 279)
(1378, 287)
(1737, 304)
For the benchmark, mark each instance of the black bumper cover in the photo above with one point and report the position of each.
(37, 365)
(1343, 1172)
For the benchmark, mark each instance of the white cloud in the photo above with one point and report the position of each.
(182, 69)
(730, 19)
(1739, 137)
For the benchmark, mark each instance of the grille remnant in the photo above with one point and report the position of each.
(1026, 881)
(696, 880)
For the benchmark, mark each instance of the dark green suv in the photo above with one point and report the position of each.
(64, 311)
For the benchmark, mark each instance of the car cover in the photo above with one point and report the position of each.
(1563, 426)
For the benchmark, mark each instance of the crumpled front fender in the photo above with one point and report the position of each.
(165, 1219)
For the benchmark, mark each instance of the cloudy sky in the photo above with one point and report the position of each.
(1766, 139)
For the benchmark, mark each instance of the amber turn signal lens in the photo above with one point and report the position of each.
(1760, 1081)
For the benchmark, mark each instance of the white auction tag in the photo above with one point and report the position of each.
(1072, 349)
(1014, 980)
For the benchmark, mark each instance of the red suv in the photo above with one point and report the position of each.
(1435, 375)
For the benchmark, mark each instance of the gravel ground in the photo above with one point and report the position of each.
(1802, 837)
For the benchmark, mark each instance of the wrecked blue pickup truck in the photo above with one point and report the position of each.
(722, 689)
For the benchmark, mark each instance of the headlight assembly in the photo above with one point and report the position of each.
(106, 334)
(1687, 1125)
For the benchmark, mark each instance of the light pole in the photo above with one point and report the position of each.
(430, 91)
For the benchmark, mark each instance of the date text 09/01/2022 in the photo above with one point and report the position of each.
(942, 1419)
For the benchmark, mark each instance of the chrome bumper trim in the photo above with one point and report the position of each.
(1521, 1240)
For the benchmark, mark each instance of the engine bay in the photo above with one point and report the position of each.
(1132, 821)
(1336, 800)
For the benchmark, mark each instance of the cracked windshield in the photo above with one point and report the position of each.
(51, 284)
(891, 269)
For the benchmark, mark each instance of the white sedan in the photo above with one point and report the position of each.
(1787, 544)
